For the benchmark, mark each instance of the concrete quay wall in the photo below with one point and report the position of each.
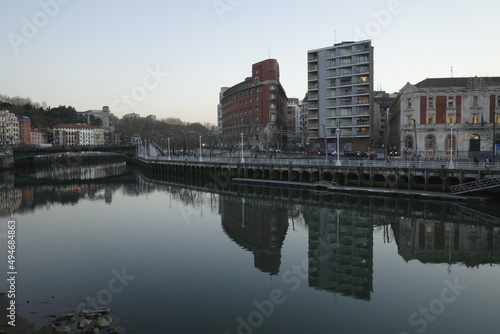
(411, 178)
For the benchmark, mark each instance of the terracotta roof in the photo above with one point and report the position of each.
(77, 126)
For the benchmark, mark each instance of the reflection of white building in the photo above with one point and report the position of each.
(430, 109)
(10, 200)
(9, 129)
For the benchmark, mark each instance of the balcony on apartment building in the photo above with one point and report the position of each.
(312, 57)
(312, 87)
(312, 68)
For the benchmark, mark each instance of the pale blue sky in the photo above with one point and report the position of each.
(92, 53)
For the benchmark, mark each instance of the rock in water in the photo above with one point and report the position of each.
(84, 323)
(62, 330)
(67, 316)
(104, 310)
(103, 322)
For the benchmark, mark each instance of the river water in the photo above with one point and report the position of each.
(178, 255)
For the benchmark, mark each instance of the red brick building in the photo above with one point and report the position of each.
(256, 108)
(24, 130)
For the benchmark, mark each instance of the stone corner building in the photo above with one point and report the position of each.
(441, 116)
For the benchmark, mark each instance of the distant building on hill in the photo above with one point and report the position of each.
(78, 135)
(9, 129)
(41, 136)
(24, 131)
(103, 114)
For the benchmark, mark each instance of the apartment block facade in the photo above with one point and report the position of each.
(340, 94)
(9, 129)
(78, 135)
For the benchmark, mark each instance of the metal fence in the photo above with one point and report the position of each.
(399, 163)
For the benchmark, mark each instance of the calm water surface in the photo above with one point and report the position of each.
(180, 256)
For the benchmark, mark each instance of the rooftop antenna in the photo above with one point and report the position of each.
(451, 72)
(335, 37)
(269, 51)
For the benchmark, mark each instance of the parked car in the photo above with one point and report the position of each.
(330, 152)
(371, 154)
(314, 152)
(352, 153)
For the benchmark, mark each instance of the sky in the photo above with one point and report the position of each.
(170, 58)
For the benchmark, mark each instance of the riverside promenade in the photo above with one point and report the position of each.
(428, 175)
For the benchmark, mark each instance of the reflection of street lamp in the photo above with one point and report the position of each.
(451, 165)
(242, 159)
(324, 137)
(200, 158)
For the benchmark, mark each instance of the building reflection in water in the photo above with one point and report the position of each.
(340, 251)
(434, 241)
(259, 226)
(31, 190)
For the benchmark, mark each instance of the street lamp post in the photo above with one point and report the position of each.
(200, 158)
(242, 159)
(451, 165)
(337, 163)
(415, 133)
(168, 147)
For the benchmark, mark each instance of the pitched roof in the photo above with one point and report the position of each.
(77, 126)
(456, 82)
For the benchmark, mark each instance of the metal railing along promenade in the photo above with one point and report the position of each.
(355, 162)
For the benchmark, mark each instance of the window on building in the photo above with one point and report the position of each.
(474, 101)
(362, 100)
(450, 101)
(272, 96)
(362, 130)
(272, 87)
(475, 118)
(430, 102)
(363, 79)
(497, 118)
(449, 119)
(256, 99)
(430, 119)
(409, 142)
(408, 103)
(429, 143)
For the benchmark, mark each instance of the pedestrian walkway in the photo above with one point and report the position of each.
(475, 186)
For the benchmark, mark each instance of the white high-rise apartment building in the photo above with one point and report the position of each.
(340, 94)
